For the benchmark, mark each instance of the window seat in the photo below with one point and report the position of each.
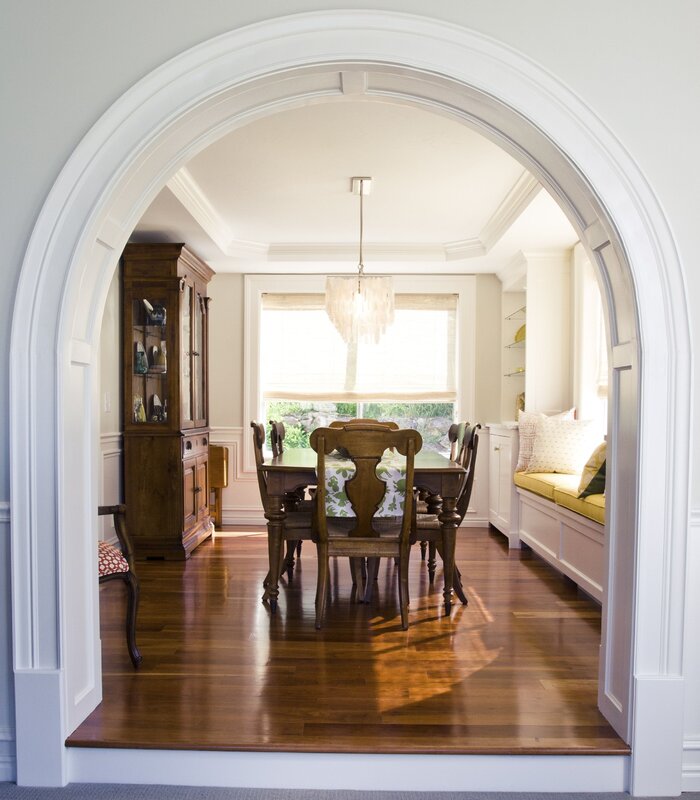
(565, 530)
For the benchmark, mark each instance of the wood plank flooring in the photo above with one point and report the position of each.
(513, 672)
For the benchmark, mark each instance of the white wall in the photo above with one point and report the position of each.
(487, 394)
(548, 385)
(69, 61)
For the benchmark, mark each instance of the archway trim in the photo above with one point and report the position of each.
(129, 155)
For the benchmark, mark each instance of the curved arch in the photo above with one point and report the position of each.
(176, 111)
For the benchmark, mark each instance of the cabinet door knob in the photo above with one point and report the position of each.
(197, 489)
(496, 448)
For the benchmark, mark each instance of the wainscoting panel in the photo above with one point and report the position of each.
(111, 489)
(7, 712)
(691, 656)
(240, 500)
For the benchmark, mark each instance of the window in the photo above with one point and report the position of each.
(309, 376)
(298, 369)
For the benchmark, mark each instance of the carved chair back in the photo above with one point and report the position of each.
(365, 443)
(258, 444)
(468, 461)
(339, 423)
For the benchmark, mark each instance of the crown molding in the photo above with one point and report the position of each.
(466, 248)
(195, 200)
(513, 275)
(343, 251)
(521, 194)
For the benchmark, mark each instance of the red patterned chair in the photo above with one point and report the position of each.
(119, 563)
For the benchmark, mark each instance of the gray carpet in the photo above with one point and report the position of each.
(93, 791)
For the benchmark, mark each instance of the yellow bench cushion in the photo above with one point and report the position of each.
(545, 483)
(592, 506)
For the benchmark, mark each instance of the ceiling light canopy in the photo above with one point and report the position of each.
(360, 307)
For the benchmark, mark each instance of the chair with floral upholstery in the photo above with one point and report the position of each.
(118, 563)
(355, 519)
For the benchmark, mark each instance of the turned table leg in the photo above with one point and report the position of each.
(449, 519)
(275, 522)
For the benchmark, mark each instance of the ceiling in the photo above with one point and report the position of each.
(275, 196)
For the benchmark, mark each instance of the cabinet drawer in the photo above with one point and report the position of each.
(195, 445)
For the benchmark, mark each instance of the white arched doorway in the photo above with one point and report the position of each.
(110, 179)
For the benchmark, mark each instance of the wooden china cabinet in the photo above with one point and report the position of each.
(166, 408)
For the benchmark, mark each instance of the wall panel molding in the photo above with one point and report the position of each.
(691, 733)
(8, 767)
(110, 487)
(240, 500)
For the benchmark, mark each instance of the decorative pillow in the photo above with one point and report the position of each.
(527, 428)
(110, 559)
(593, 475)
(561, 445)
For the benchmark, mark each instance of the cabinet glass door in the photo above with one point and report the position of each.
(149, 361)
(198, 361)
(186, 356)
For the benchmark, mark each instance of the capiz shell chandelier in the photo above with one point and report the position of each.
(360, 307)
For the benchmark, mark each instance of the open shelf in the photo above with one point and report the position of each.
(519, 313)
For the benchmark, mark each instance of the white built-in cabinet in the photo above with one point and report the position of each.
(503, 499)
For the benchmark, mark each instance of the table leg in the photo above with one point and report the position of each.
(434, 503)
(275, 523)
(449, 519)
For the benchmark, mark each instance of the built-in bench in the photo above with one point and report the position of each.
(565, 530)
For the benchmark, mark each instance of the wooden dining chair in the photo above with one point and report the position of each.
(363, 535)
(339, 423)
(296, 500)
(118, 563)
(426, 504)
(427, 527)
(297, 524)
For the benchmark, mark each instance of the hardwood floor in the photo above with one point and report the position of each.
(513, 672)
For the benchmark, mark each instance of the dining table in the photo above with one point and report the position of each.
(295, 468)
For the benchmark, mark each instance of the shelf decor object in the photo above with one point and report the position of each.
(360, 307)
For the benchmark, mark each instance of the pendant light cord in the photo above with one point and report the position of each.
(361, 265)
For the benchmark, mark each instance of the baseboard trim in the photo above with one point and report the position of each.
(243, 515)
(325, 771)
(690, 780)
(8, 769)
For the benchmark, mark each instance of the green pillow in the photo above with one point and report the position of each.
(593, 475)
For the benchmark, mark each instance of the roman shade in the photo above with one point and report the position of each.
(302, 356)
